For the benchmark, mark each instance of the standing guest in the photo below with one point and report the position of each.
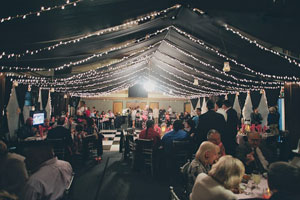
(170, 110)
(27, 130)
(133, 115)
(156, 115)
(196, 118)
(254, 155)
(273, 120)
(229, 136)
(176, 134)
(225, 175)
(13, 173)
(210, 120)
(88, 112)
(219, 108)
(283, 181)
(215, 137)
(256, 117)
(50, 176)
(206, 155)
(150, 133)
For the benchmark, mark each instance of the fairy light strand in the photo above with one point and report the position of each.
(38, 13)
(96, 33)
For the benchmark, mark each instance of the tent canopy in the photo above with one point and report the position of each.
(98, 47)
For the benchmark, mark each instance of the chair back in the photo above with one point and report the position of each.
(67, 195)
(181, 151)
(88, 143)
(173, 195)
(59, 147)
(144, 151)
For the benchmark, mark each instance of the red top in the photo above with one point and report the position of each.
(152, 134)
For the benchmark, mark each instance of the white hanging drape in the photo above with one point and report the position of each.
(236, 106)
(13, 114)
(263, 109)
(247, 110)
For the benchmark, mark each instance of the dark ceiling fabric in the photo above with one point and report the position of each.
(272, 97)
(8, 87)
(45, 95)
(21, 92)
(194, 102)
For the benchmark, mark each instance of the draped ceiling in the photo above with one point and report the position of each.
(98, 47)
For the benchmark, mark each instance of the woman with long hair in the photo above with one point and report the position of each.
(150, 133)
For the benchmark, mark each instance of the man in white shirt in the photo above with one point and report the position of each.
(156, 115)
(170, 110)
(50, 176)
(219, 109)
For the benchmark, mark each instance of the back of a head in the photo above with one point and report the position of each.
(210, 104)
(204, 147)
(37, 152)
(219, 103)
(228, 171)
(149, 123)
(227, 103)
(177, 125)
(61, 121)
(284, 177)
(212, 131)
(191, 122)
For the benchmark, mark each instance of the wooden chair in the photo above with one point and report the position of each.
(144, 149)
(130, 145)
(173, 195)
(59, 147)
(181, 152)
(89, 143)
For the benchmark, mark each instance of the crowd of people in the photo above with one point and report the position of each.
(219, 162)
(215, 171)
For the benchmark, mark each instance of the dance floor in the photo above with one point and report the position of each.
(111, 141)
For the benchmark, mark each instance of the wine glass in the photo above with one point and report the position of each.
(256, 177)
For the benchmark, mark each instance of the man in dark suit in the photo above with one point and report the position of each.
(229, 137)
(209, 120)
(254, 154)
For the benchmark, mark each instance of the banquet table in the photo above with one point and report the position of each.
(258, 192)
(36, 138)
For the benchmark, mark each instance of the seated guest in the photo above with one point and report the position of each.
(254, 155)
(60, 132)
(13, 173)
(224, 176)
(46, 126)
(150, 133)
(215, 137)
(27, 130)
(50, 176)
(206, 155)
(176, 134)
(283, 181)
(189, 127)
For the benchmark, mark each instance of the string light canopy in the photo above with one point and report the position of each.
(181, 64)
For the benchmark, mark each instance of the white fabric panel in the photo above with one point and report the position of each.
(13, 114)
(40, 99)
(263, 109)
(236, 106)
(48, 107)
(247, 110)
(204, 107)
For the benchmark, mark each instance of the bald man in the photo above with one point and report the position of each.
(254, 154)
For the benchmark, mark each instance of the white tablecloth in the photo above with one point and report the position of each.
(255, 193)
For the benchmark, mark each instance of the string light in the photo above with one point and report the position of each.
(288, 58)
(128, 24)
(37, 13)
(202, 43)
